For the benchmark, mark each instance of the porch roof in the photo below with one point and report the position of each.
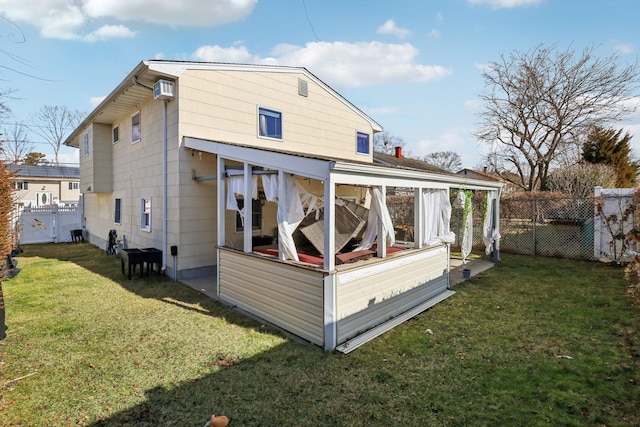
(336, 170)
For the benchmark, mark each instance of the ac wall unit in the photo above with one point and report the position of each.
(164, 90)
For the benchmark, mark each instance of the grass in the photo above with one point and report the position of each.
(534, 341)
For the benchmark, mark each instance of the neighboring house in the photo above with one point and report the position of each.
(488, 176)
(169, 158)
(37, 186)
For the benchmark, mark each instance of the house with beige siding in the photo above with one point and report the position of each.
(42, 185)
(263, 177)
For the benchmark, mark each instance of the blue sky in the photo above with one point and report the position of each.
(413, 65)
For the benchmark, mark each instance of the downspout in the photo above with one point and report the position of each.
(164, 189)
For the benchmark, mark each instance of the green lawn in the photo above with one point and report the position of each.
(534, 341)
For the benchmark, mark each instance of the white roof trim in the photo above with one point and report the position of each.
(339, 171)
(177, 68)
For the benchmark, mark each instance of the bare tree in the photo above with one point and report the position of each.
(537, 103)
(449, 160)
(54, 123)
(384, 142)
(16, 144)
(580, 179)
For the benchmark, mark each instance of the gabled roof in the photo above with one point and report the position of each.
(480, 175)
(53, 172)
(408, 163)
(137, 88)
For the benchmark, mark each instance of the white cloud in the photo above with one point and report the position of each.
(624, 48)
(339, 63)
(452, 140)
(391, 28)
(439, 17)
(110, 32)
(237, 54)
(70, 158)
(94, 101)
(506, 4)
(473, 104)
(434, 34)
(70, 20)
(183, 13)
(378, 111)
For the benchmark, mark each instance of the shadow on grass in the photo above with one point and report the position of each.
(259, 391)
(154, 286)
(279, 386)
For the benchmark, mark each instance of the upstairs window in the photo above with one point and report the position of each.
(363, 143)
(74, 186)
(21, 185)
(135, 127)
(269, 123)
(116, 134)
(85, 144)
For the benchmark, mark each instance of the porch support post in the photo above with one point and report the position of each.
(280, 184)
(418, 218)
(496, 225)
(248, 210)
(220, 220)
(330, 311)
(329, 224)
(382, 238)
(220, 223)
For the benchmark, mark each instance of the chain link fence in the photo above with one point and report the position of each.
(544, 224)
(558, 226)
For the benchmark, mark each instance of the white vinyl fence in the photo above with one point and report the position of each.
(615, 217)
(48, 224)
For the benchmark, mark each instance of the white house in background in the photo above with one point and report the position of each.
(37, 186)
(179, 153)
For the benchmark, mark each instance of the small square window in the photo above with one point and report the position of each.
(74, 186)
(117, 211)
(145, 214)
(269, 123)
(363, 143)
(85, 144)
(116, 134)
(135, 127)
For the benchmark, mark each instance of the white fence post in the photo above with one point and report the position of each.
(597, 226)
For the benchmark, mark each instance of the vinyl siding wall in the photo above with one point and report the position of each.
(289, 296)
(370, 295)
(223, 106)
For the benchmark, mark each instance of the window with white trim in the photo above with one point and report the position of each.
(117, 211)
(269, 123)
(362, 141)
(85, 144)
(21, 185)
(74, 186)
(256, 214)
(135, 127)
(145, 214)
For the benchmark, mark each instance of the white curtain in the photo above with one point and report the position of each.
(235, 185)
(437, 217)
(270, 186)
(378, 213)
(290, 213)
(489, 235)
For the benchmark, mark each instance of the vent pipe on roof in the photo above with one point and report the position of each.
(398, 152)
